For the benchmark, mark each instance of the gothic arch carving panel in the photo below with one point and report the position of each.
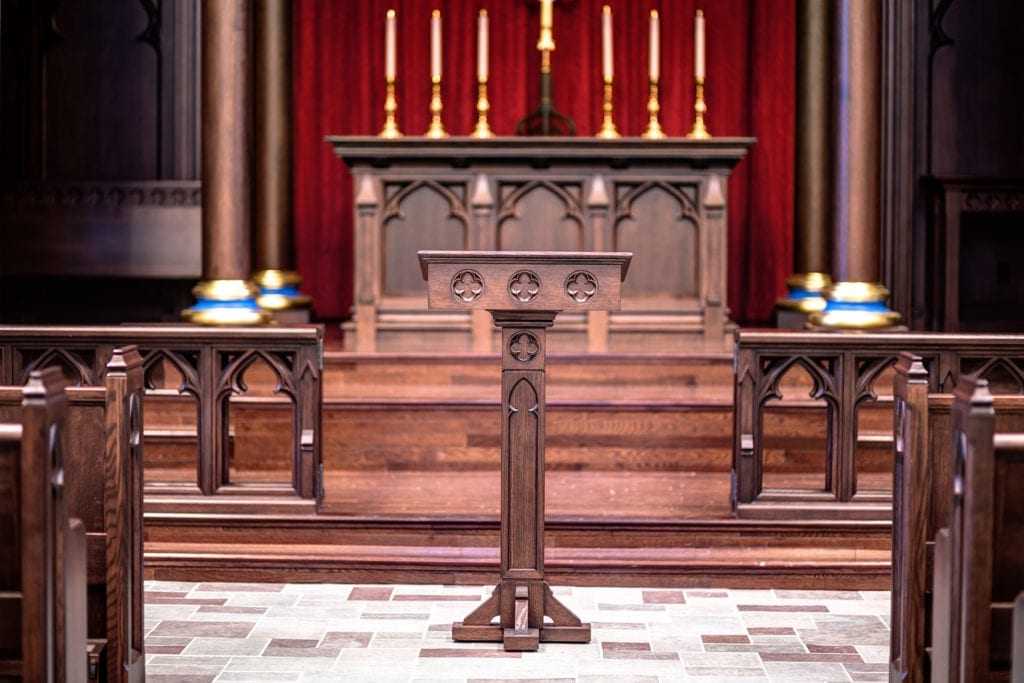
(540, 215)
(410, 223)
(660, 224)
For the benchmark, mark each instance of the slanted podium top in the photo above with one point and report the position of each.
(524, 280)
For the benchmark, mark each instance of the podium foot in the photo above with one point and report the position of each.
(514, 615)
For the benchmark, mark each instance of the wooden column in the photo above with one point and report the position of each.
(858, 126)
(225, 296)
(274, 254)
(523, 291)
(857, 300)
(813, 188)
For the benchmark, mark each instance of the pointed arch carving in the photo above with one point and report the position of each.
(821, 371)
(992, 365)
(510, 205)
(232, 380)
(868, 371)
(67, 360)
(523, 398)
(687, 209)
(456, 207)
(186, 363)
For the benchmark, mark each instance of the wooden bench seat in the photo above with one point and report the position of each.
(102, 458)
(979, 557)
(43, 576)
(923, 462)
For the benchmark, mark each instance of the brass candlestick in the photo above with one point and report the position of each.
(482, 130)
(654, 130)
(699, 130)
(608, 130)
(390, 129)
(436, 129)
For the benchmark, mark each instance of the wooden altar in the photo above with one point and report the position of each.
(665, 201)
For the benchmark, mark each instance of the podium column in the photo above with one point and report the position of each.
(523, 291)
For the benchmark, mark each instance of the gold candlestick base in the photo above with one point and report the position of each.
(608, 130)
(482, 129)
(699, 130)
(436, 129)
(390, 129)
(654, 130)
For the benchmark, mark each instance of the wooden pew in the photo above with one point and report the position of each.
(923, 460)
(1017, 668)
(103, 475)
(42, 592)
(979, 558)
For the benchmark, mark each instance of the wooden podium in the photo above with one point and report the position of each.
(523, 291)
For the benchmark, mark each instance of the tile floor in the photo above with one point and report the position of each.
(205, 632)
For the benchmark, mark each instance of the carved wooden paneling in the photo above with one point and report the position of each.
(405, 232)
(659, 223)
(540, 215)
(211, 366)
(849, 372)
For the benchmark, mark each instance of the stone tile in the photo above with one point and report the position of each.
(185, 665)
(161, 600)
(725, 639)
(723, 674)
(874, 653)
(240, 587)
(798, 596)
(262, 599)
(817, 672)
(328, 633)
(258, 676)
(288, 665)
(157, 613)
(809, 657)
(663, 597)
(169, 586)
(289, 628)
(771, 631)
(455, 653)
(225, 646)
(197, 629)
(344, 639)
(782, 608)
(371, 593)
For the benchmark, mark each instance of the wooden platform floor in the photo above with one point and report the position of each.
(588, 494)
(637, 487)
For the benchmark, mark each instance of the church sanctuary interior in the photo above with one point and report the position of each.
(550, 340)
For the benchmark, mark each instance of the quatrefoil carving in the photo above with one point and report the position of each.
(467, 286)
(524, 286)
(524, 347)
(581, 286)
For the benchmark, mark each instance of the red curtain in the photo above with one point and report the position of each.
(338, 89)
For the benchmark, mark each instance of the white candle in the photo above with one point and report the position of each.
(545, 13)
(389, 45)
(606, 43)
(435, 45)
(698, 46)
(655, 63)
(481, 46)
